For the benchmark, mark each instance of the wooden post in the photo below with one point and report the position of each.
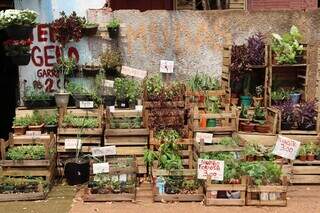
(3, 149)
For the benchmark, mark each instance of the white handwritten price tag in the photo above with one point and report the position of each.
(86, 104)
(33, 133)
(123, 178)
(214, 168)
(70, 143)
(112, 109)
(103, 151)
(108, 83)
(99, 168)
(166, 66)
(286, 148)
(207, 137)
(114, 178)
(133, 72)
(139, 108)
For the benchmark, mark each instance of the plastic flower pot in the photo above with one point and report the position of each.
(203, 122)
(234, 101)
(19, 130)
(295, 98)
(19, 32)
(303, 157)
(39, 103)
(113, 32)
(50, 128)
(211, 122)
(36, 127)
(247, 127)
(77, 172)
(310, 157)
(109, 100)
(245, 101)
(81, 97)
(250, 158)
(263, 128)
(90, 31)
(201, 98)
(62, 99)
(124, 103)
(20, 60)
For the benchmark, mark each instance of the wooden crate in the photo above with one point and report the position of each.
(305, 172)
(90, 137)
(211, 201)
(127, 141)
(187, 173)
(300, 132)
(226, 121)
(112, 197)
(238, 4)
(186, 151)
(271, 119)
(192, 98)
(281, 189)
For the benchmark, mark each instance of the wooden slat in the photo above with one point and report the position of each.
(304, 170)
(108, 197)
(225, 202)
(266, 202)
(273, 189)
(179, 197)
(25, 163)
(23, 196)
(126, 141)
(25, 172)
(78, 131)
(305, 179)
(126, 132)
(182, 172)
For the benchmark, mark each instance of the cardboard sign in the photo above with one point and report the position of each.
(70, 143)
(214, 168)
(207, 137)
(286, 148)
(139, 108)
(112, 108)
(99, 168)
(33, 133)
(166, 66)
(108, 83)
(133, 72)
(86, 104)
(104, 151)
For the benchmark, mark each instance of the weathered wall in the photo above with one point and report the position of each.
(194, 39)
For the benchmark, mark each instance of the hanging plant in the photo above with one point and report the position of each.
(67, 28)
(18, 51)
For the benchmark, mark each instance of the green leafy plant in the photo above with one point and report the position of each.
(279, 95)
(17, 17)
(259, 115)
(201, 82)
(287, 47)
(80, 122)
(26, 153)
(168, 136)
(310, 148)
(22, 121)
(36, 95)
(110, 60)
(244, 112)
(114, 23)
(50, 119)
(127, 89)
(250, 150)
(303, 150)
(66, 66)
(212, 104)
(153, 86)
(88, 24)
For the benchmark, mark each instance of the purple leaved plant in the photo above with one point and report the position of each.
(256, 49)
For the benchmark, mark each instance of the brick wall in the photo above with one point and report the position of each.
(282, 4)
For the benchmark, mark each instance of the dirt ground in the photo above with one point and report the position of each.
(61, 200)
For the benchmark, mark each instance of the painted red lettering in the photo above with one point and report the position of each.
(73, 52)
(47, 56)
(37, 60)
(42, 32)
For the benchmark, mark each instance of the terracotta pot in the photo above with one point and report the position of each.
(36, 128)
(247, 127)
(19, 130)
(303, 158)
(263, 128)
(234, 101)
(201, 98)
(257, 101)
(310, 157)
(250, 158)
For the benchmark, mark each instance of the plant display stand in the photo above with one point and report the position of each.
(44, 168)
(211, 188)
(90, 137)
(271, 195)
(198, 98)
(110, 194)
(196, 196)
(125, 130)
(271, 120)
(305, 172)
(238, 4)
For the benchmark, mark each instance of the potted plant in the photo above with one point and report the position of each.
(20, 125)
(90, 69)
(303, 152)
(36, 122)
(259, 117)
(257, 100)
(18, 24)
(34, 98)
(250, 152)
(287, 48)
(278, 96)
(295, 96)
(50, 122)
(65, 67)
(89, 28)
(111, 62)
(234, 99)
(67, 28)
(113, 28)
(127, 92)
(246, 125)
(18, 51)
(310, 150)
(212, 105)
(287, 115)
(318, 152)
(306, 115)
(78, 92)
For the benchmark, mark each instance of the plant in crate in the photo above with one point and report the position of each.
(212, 105)
(310, 150)
(287, 48)
(256, 49)
(50, 122)
(12, 185)
(78, 92)
(37, 98)
(36, 121)
(153, 87)
(306, 115)
(250, 152)
(279, 96)
(89, 28)
(18, 51)
(259, 117)
(20, 125)
(113, 27)
(303, 152)
(257, 100)
(127, 92)
(246, 125)
(111, 62)
(287, 115)
(18, 24)
(317, 152)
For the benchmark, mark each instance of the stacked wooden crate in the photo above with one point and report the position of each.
(125, 130)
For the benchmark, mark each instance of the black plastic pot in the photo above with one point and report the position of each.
(50, 128)
(170, 190)
(39, 103)
(124, 103)
(81, 97)
(299, 59)
(109, 100)
(90, 71)
(77, 172)
(286, 126)
(112, 73)
(90, 31)
(20, 59)
(113, 32)
(19, 32)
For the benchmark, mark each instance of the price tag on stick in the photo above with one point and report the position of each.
(103, 151)
(206, 137)
(133, 72)
(166, 66)
(99, 168)
(286, 148)
(214, 168)
(86, 104)
(70, 143)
